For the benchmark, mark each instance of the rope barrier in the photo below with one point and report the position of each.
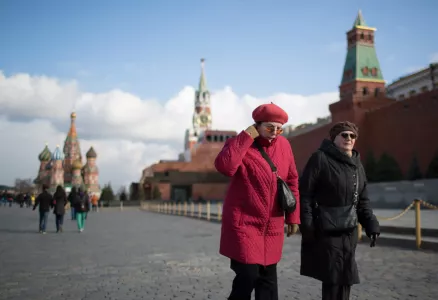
(397, 216)
(176, 209)
(422, 202)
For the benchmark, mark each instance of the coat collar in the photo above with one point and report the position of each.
(330, 149)
(265, 142)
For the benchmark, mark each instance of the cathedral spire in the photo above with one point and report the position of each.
(72, 131)
(202, 81)
(72, 150)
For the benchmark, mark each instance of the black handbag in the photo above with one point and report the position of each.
(341, 218)
(285, 197)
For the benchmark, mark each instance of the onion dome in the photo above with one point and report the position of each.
(91, 153)
(57, 154)
(45, 154)
(77, 165)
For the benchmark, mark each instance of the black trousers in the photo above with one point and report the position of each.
(251, 277)
(335, 292)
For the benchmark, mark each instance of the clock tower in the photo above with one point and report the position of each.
(202, 111)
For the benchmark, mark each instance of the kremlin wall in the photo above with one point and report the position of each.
(403, 129)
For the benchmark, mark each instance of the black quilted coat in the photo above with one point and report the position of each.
(329, 178)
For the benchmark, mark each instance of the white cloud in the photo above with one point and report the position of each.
(127, 132)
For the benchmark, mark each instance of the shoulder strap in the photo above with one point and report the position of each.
(356, 190)
(266, 157)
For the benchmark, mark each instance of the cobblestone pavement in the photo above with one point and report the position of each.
(140, 255)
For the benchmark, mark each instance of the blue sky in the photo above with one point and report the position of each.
(152, 48)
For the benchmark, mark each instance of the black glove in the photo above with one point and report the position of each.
(373, 238)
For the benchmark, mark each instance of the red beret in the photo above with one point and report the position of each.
(269, 113)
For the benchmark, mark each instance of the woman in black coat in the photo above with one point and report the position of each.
(334, 198)
(59, 203)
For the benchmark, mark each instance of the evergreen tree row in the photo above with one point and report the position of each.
(386, 168)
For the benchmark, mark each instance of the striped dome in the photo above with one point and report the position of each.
(57, 154)
(45, 154)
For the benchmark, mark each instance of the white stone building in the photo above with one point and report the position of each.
(413, 84)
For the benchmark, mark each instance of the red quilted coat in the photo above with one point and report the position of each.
(252, 221)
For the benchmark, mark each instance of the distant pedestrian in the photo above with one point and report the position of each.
(81, 208)
(44, 201)
(59, 203)
(334, 200)
(72, 198)
(94, 202)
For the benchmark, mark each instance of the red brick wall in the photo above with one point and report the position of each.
(164, 189)
(209, 190)
(402, 129)
(305, 144)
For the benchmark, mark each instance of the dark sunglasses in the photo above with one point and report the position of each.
(351, 135)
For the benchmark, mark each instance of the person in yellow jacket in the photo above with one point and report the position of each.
(32, 199)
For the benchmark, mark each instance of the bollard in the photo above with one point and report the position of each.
(418, 222)
(359, 232)
(208, 210)
(185, 208)
(179, 208)
(219, 211)
(165, 208)
(199, 210)
(121, 205)
(192, 209)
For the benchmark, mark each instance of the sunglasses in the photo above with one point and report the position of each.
(351, 135)
(272, 129)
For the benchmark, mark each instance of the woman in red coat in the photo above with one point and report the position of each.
(253, 223)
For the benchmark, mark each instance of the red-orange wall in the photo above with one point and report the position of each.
(402, 129)
(305, 144)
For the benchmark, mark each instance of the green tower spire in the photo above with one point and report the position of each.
(361, 63)
(359, 20)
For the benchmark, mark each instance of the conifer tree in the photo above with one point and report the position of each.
(388, 169)
(432, 169)
(414, 171)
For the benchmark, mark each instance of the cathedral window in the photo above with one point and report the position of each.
(374, 71)
(362, 36)
(365, 71)
(365, 91)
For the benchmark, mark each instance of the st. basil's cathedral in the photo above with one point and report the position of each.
(65, 168)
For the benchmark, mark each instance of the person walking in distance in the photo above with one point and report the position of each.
(81, 208)
(334, 200)
(59, 203)
(72, 198)
(252, 232)
(44, 201)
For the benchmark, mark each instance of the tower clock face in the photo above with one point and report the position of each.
(204, 119)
